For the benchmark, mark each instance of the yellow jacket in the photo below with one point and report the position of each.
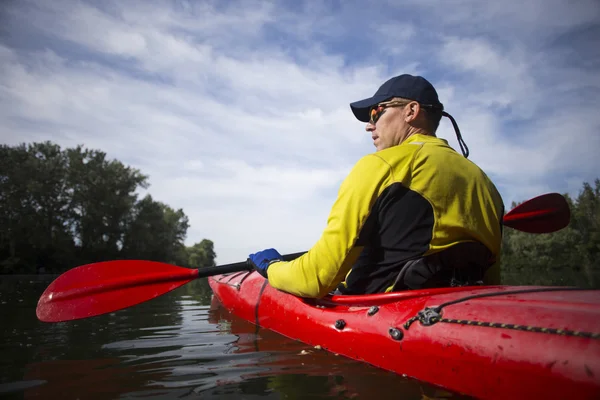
(410, 200)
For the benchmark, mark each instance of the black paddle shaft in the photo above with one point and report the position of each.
(204, 272)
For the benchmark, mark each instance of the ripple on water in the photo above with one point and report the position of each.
(174, 346)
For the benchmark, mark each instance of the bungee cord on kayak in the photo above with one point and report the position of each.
(433, 315)
(430, 317)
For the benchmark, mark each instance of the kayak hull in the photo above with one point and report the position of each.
(490, 362)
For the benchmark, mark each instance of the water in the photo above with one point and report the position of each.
(180, 345)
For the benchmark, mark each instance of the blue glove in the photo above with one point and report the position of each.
(260, 261)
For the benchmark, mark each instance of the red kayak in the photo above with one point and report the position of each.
(490, 342)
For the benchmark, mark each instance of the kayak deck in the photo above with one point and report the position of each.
(506, 343)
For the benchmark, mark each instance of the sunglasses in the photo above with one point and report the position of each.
(377, 110)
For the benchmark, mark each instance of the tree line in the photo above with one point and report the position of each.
(569, 257)
(64, 208)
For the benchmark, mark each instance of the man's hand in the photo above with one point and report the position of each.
(261, 260)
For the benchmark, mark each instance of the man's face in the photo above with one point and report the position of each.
(388, 125)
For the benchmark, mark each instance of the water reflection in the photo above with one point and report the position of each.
(176, 346)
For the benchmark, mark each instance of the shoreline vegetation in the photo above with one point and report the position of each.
(60, 208)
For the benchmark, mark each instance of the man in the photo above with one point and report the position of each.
(413, 214)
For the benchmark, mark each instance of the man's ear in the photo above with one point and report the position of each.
(413, 111)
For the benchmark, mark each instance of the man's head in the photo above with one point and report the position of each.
(403, 106)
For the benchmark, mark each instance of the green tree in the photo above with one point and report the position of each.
(546, 259)
(201, 254)
(156, 232)
(102, 197)
(586, 220)
(63, 208)
(34, 205)
(568, 257)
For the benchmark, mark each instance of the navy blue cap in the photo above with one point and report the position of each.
(407, 86)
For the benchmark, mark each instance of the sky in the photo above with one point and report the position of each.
(238, 111)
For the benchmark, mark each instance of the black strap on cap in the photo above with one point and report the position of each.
(461, 142)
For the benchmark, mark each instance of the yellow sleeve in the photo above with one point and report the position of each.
(325, 265)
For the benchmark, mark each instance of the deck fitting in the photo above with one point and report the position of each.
(340, 324)
(372, 311)
(396, 333)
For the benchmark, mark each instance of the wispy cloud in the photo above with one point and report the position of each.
(239, 111)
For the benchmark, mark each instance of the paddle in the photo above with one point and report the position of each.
(108, 286)
(543, 214)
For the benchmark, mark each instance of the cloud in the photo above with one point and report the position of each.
(238, 111)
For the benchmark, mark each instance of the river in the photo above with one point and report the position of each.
(180, 345)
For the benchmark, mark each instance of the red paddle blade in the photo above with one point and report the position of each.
(104, 287)
(543, 214)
